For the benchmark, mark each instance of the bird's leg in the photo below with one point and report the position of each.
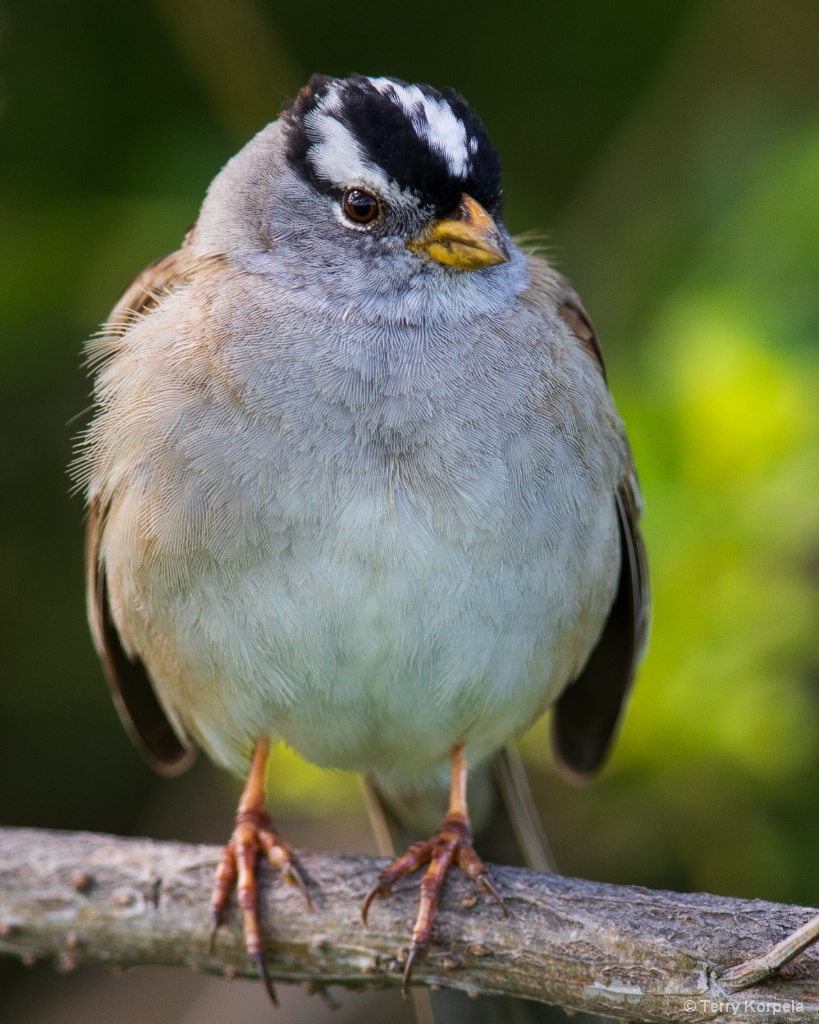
(253, 833)
(452, 842)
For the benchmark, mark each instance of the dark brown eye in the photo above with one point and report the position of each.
(360, 206)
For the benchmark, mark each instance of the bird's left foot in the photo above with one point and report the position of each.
(452, 843)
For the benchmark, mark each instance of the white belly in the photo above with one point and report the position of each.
(374, 641)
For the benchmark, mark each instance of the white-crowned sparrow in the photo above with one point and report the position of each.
(356, 480)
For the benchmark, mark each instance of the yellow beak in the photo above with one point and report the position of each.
(468, 241)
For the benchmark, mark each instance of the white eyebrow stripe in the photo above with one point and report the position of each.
(335, 153)
(434, 121)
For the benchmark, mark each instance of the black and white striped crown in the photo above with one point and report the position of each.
(383, 132)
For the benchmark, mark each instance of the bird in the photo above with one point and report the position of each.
(355, 480)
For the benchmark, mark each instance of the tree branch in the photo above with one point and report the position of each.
(616, 950)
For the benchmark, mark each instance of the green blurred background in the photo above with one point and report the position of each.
(669, 153)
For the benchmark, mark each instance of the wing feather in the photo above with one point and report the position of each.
(585, 717)
(167, 750)
(141, 713)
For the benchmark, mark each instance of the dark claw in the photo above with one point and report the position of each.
(216, 918)
(486, 886)
(294, 878)
(371, 895)
(415, 952)
(268, 984)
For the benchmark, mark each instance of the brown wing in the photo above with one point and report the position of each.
(168, 752)
(142, 715)
(579, 324)
(585, 717)
(147, 289)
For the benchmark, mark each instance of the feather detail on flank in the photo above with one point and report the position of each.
(166, 750)
(585, 717)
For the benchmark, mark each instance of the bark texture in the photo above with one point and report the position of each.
(621, 951)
